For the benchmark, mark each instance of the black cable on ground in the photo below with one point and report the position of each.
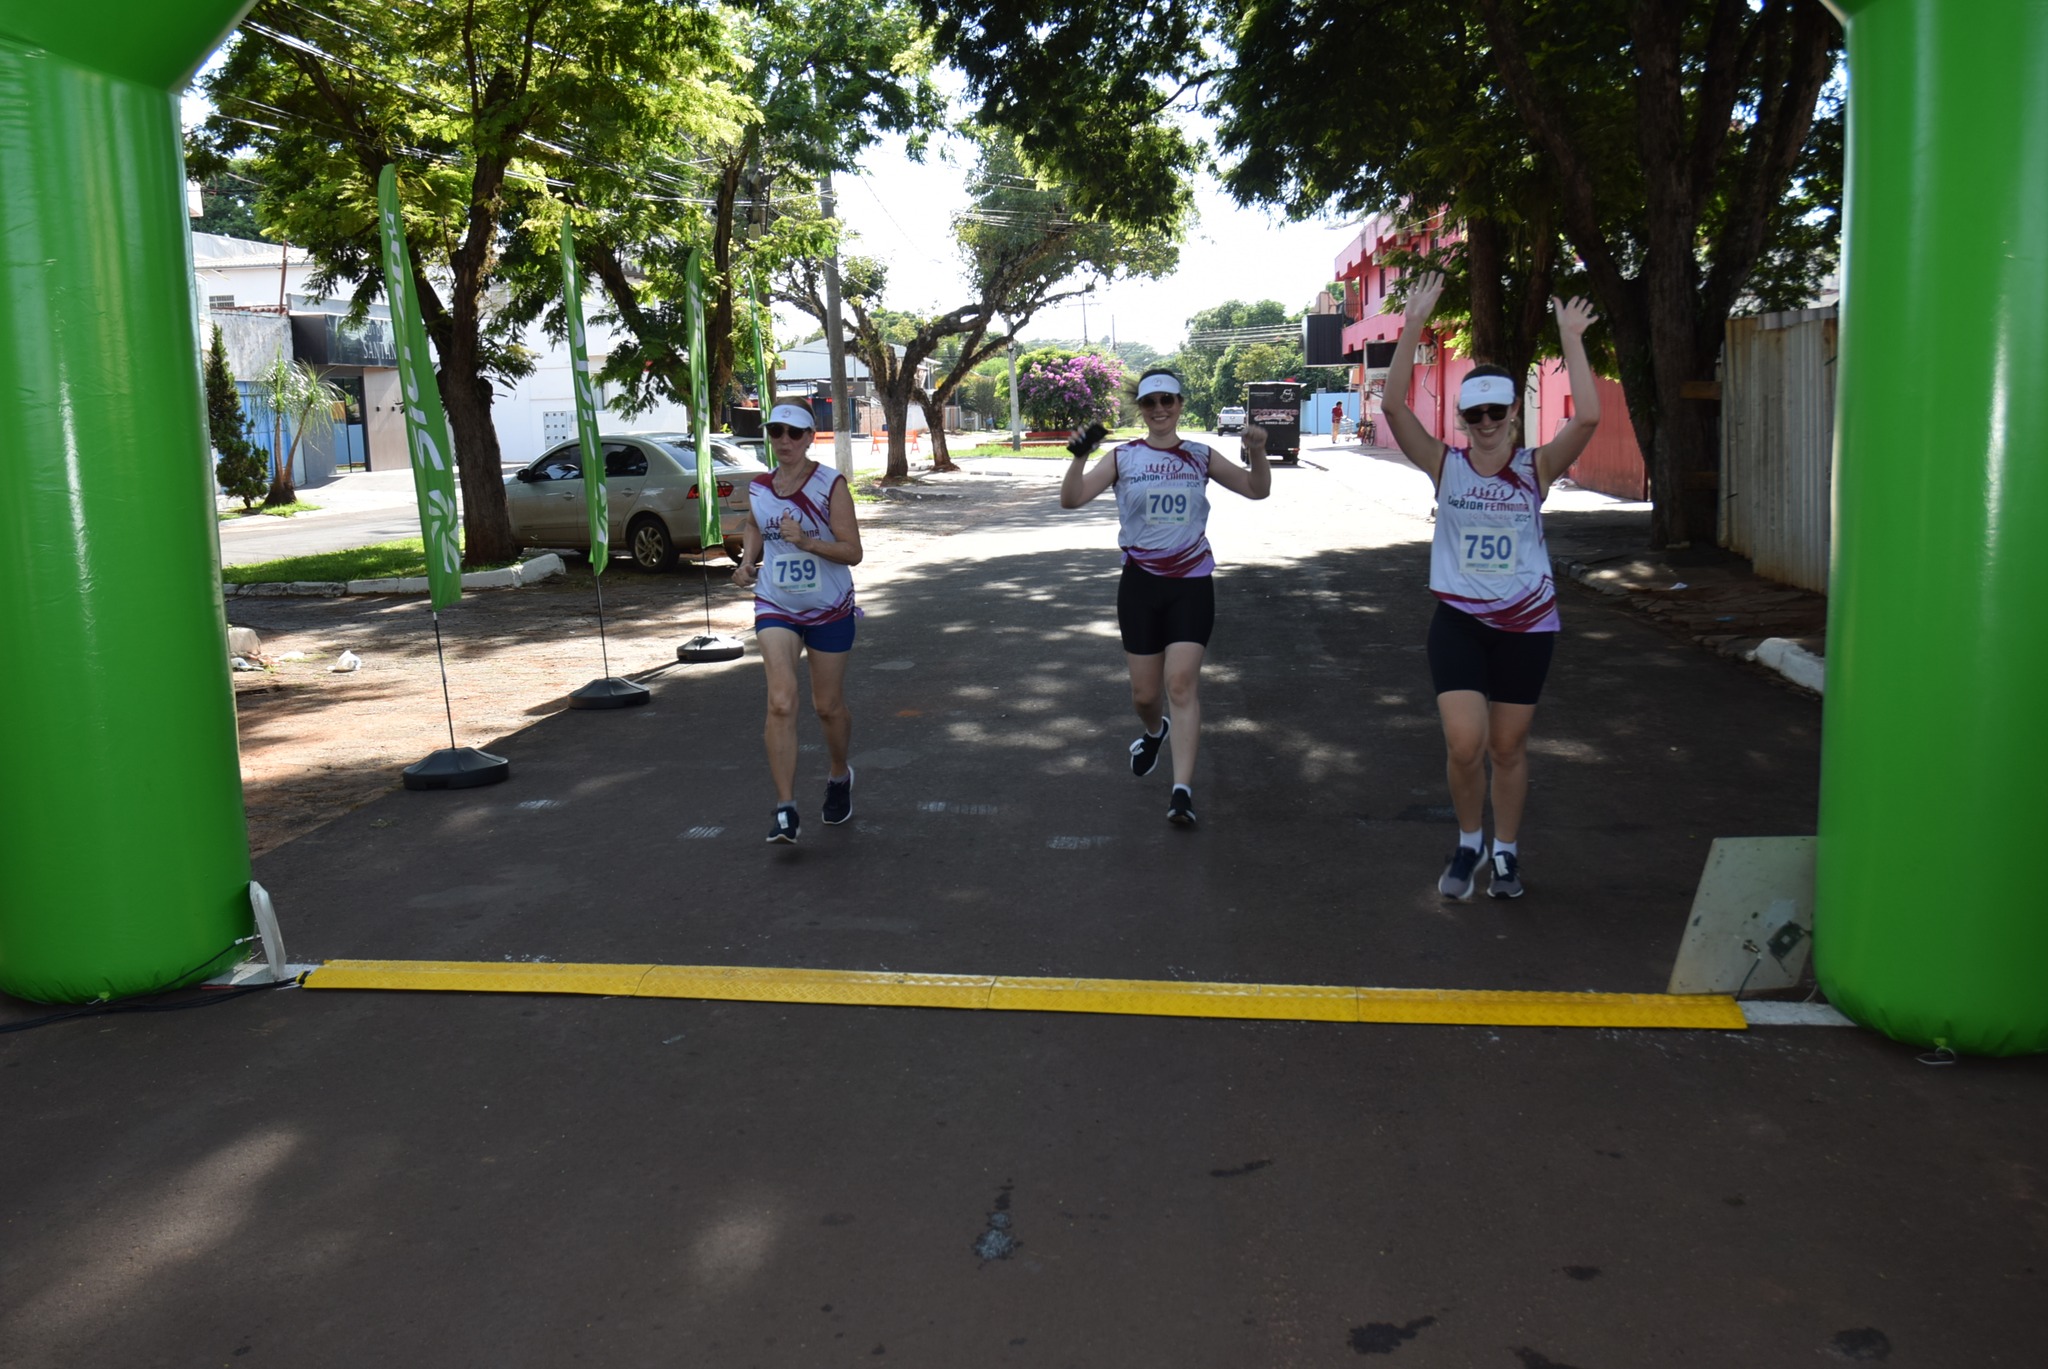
(204, 1000)
(136, 1004)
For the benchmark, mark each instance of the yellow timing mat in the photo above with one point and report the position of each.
(1131, 997)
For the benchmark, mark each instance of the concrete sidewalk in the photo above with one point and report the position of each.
(337, 1178)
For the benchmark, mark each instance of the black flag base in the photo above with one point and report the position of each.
(707, 647)
(611, 692)
(458, 767)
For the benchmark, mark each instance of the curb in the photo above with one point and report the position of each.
(545, 567)
(1781, 654)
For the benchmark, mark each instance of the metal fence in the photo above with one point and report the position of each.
(1777, 443)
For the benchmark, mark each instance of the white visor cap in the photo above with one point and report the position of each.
(1478, 390)
(1158, 385)
(795, 415)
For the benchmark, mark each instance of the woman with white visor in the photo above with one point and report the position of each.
(1166, 601)
(1496, 618)
(801, 542)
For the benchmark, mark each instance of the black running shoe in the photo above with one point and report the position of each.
(1145, 750)
(786, 823)
(1460, 873)
(1506, 879)
(839, 799)
(1180, 809)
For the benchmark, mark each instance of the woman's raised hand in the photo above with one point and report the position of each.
(1422, 296)
(1574, 315)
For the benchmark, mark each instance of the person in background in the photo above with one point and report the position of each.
(1166, 600)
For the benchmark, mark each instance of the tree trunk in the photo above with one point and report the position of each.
(281, 490)
(896, 413)
(1483, 269)
(935, 405)
(486, 526)
(718, 317)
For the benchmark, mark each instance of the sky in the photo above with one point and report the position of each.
(902, 210)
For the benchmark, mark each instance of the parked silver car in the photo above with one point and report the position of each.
(650, 482)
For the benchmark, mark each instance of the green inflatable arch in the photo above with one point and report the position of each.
(126, 862)
(1930, 926)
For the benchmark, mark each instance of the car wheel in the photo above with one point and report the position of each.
(652, 548)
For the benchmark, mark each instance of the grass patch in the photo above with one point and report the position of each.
(281, 511)
(998, 444)
(381, 561)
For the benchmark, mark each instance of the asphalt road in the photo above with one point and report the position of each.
(305, 1178)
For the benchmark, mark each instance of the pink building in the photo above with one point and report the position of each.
(1613, 464)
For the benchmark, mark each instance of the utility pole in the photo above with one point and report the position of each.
(835, 342)
(1016, 414)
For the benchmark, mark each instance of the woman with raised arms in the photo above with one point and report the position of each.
(1496, 618)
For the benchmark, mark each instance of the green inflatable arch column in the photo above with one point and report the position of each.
(124, 858)
(1932, 914)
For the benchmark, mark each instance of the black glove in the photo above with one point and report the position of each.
(1086, 442)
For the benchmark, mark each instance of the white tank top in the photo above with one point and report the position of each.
(794, 584)
(1489, 558)
(1162, 499)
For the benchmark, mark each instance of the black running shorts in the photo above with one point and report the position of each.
(1507, 667)
(1154, 611)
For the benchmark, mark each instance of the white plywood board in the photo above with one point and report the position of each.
(1752, 917)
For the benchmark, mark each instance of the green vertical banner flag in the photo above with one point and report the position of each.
(426, 423)
(586, 405)
(700, 410)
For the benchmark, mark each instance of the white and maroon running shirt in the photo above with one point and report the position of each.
(1162, 497)
(1489, 558)
(794, 584)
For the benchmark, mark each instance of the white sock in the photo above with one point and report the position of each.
(1160, 731)
(1182, 788)
(1473, 841)
(1503, 848)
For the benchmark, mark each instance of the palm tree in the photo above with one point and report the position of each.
(296, 393)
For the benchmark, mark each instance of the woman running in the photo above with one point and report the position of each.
(801, 541)
(1166, 601)
(1496, 617)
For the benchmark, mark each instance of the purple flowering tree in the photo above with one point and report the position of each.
(1059, 389)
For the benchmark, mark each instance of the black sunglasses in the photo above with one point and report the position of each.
(784, 430)
(1492, 413)
(1158, 401)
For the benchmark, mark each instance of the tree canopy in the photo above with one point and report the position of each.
(1663, 156)
(489, 110)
